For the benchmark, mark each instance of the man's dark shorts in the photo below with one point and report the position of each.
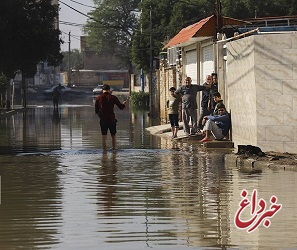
(173, 118)
(112, 126)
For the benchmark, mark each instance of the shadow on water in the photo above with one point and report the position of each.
(58, 189)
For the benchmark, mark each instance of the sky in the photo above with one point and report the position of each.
(66, 14)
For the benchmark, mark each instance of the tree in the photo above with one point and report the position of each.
(3, 87)
(161, 19)
(114, 26)
(75, 60)
(111, 27)
(29, 35)
(170, 16)
(254, 8)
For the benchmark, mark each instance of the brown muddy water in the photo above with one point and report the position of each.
(59, 191)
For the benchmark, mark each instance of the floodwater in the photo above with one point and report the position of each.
(59, 191)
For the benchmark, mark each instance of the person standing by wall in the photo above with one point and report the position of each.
(189, 104)
(214, 88)
(104, 109)
(172, 106)
(205, 108)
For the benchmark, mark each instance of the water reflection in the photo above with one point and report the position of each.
(56, 116)
(60, 191)
(30, 209)
(107, 184)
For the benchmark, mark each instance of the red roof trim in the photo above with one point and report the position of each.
(204, 28)
(187, 33)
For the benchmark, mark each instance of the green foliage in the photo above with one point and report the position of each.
(264, 8)
(111, 27)
(115, 28)
(3, 83)
(140, 99)
(29, 35)
(168, 17)
(161, 19)
(76, 61)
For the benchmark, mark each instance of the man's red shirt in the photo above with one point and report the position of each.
(104, 106)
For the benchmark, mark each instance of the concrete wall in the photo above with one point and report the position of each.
(241, 90)
(262, 91)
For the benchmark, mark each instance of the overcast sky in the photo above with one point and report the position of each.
(69, 15)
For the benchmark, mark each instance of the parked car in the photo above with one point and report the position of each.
(98, 90)
(63, 89)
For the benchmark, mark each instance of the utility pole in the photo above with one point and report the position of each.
(69, 53)
(141, 70)
(219, 16)
(151, 94)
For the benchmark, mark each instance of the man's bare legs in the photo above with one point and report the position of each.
(174, 131)
(114, 142)
(207, 133)
(211, 128)
(104, 139)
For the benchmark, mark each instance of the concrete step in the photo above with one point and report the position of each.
(218, 144)
(165, 131)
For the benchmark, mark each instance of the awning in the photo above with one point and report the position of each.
(201, 30)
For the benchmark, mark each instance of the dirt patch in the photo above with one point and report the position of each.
(273, 157)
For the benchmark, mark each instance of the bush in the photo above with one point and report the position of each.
(140, 99)
(4, 83)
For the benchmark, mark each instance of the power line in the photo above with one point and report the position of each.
(75, 10)
(83, 4)
(71, 24)
(79, 11)
(88, 16)
(73, 36)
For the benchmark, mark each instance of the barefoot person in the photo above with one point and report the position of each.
(216, 125)
(104, 108)
(172, 106)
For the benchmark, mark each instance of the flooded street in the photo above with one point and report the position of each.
(59, 191)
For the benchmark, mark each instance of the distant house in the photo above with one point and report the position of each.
(257, 71)
(99, 68)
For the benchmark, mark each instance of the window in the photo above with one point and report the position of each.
(173, 55)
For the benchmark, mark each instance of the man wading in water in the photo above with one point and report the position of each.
(104, 108)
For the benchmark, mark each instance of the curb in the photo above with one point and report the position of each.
(11, 112)
(165, 132)
(157, 130)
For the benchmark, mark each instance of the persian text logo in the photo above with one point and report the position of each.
(258, 211)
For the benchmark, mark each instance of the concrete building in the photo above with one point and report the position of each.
(261, 90)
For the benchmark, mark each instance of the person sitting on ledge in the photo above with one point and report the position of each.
(217, 125)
